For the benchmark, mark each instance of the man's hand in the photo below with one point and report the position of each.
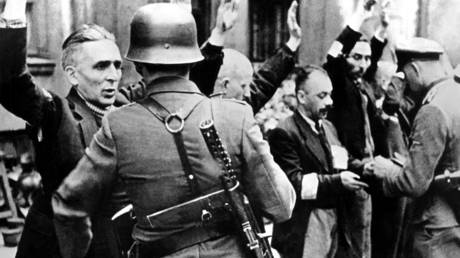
(15, 10)
(363, 12)
(227, 15)
(382, 30)
(383, 167)
(295, 32)
(384, 17)
(351, 181)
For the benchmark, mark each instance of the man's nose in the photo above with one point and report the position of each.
(113, 73)
(328, 101)
(364, 63)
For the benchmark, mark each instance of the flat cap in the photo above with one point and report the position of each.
(417, 49)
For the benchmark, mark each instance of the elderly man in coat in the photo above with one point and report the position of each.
(61, 128)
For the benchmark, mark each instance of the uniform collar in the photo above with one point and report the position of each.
(170, 84)
(433, 90)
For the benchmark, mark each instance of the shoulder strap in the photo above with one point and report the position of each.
(165, 116)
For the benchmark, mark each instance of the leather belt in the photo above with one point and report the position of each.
(178, 241)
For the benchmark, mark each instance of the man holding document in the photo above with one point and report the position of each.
(307, 148)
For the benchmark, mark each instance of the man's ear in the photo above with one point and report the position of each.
(225, 83)
(416, 68)
(300, 94)
(70, 73)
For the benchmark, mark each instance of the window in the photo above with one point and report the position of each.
(268, 27)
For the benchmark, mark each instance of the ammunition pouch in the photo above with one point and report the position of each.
(209, 209)
(204, 218)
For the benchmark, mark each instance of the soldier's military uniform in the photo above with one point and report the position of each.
(134, 144)
(434, 147)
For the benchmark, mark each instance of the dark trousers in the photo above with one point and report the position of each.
(38, 239)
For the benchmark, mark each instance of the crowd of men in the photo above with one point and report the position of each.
(365, 166)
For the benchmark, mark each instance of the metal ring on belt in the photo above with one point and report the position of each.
(168, 120)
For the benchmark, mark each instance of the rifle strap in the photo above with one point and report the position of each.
(165, 116)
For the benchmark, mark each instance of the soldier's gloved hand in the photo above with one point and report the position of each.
(351, 182)
(384, 167)
(375, 183)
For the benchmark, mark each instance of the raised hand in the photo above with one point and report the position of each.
(295, 32)
(294, 29)
(363, 12)
(227, 14)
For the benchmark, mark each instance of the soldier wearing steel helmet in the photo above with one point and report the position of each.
(434, 150)
(156, 148)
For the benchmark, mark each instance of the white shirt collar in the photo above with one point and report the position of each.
(310, 122)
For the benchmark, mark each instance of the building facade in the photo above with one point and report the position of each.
(261, 28)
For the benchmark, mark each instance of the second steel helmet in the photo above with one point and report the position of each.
(163, 34)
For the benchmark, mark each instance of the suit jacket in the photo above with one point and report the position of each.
(298, 150)
(154, 177)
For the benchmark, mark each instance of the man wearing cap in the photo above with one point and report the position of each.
(61, 128)
(156, 148)
(434, 149)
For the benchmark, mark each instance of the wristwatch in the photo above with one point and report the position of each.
(12, 23)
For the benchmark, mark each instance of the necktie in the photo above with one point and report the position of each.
(324, 143)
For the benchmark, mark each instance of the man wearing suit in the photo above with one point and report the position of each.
(156, 148)
(307, 148)
(434, 148)
(62, 128)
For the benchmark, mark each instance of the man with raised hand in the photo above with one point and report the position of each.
(61, 128)
(156, 148)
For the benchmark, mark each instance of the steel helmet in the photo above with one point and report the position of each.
(163, 33)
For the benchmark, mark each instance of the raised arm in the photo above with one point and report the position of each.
(18, 93)
(350, 35)
(268, 78)
(204, 73)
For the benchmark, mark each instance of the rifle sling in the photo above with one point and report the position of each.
(164, 115)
